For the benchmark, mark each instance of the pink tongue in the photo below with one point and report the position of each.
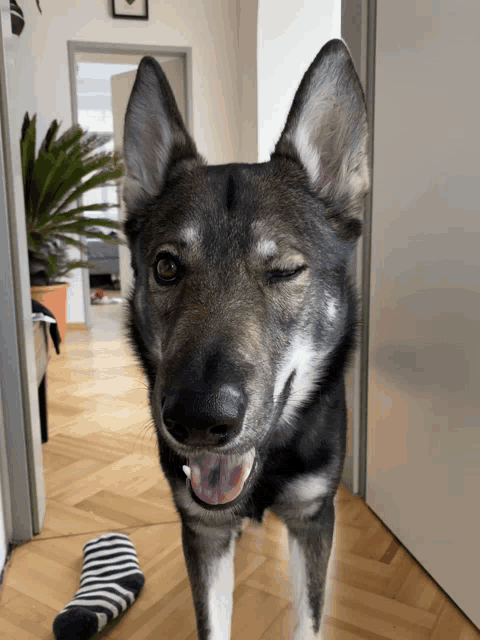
(214, 481)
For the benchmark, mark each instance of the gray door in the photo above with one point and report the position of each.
(424, 375)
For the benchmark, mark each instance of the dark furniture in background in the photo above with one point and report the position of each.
(106, 259)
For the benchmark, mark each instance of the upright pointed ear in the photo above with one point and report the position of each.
(155, 136)
(326, 132)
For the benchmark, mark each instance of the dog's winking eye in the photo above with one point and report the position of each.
(167, 269)
(281, 275)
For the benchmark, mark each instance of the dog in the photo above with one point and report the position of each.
(243, 317)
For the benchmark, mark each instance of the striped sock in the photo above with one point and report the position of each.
(111, 580)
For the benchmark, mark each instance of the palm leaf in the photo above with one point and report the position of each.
(84, 227)
(28, 154)
(76, 213)
(99, 179)
(25, 125)
(69, 240)
(49, 136)
(74, 183)
(46, 176)
(68, 176)
(110, 239)
(65, 168)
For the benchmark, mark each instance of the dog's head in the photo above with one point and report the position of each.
(241, 295)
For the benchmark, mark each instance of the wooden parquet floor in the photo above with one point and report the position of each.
(102, 474)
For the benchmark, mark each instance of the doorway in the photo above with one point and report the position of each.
(101, 79)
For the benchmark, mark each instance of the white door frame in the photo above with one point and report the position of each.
(76, 46)
(358, 31)
(21, 461)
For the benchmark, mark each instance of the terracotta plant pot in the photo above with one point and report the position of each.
(54, 297)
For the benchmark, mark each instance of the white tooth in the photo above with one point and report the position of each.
(248, 458)
(187, 471)
(249, 462)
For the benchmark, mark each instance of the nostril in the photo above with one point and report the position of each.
(221, 430)
(176, 430)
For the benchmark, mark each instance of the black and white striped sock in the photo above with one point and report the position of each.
(111, 580)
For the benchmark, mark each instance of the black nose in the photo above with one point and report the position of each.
(204, 418)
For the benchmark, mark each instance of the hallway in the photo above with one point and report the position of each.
(102, 474)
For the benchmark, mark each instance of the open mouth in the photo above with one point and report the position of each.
(217, 479)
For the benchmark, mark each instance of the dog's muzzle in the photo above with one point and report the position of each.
(206, 419)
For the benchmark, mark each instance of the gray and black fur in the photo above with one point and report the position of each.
(243, 317)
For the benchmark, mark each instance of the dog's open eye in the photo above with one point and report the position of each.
(167, 269)
(283, 275)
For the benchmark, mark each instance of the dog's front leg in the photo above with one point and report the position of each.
(209, 553)
(310, 543)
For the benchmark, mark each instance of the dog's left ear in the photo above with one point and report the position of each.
(326, 132)
(155, 136)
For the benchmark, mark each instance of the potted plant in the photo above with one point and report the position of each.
(54, 181)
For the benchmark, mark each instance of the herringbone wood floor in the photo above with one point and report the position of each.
(101, 474)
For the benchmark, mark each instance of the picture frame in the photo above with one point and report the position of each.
(130, 9)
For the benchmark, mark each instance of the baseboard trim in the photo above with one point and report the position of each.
(76, 326)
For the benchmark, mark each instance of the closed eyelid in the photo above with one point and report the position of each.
(286, 261)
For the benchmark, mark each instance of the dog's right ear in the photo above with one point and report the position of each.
(155, 136)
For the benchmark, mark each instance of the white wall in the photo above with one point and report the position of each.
(247, 80)
(290, 34)
(210, 27)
